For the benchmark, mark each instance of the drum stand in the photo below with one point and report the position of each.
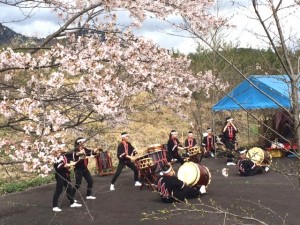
(147, 176)
(195, 158)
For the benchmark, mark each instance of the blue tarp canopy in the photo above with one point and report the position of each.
(246, 96)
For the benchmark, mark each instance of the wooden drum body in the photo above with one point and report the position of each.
(193, 151)
(104, 163)
(259, 156)
(144, 163)
(194, 174)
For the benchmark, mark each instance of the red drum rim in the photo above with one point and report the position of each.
(209, 175)
(188, 168)
(198, 174)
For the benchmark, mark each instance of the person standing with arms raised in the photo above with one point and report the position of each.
(229, 139)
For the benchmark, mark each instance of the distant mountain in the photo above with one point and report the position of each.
(8, 37)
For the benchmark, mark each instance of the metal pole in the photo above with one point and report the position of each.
(248, 129)
(213, 129)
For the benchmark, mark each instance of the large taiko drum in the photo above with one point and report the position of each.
(259, 156)
(159, 158)
(194, 174)
(104, 160)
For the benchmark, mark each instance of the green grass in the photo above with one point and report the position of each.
(17, 186)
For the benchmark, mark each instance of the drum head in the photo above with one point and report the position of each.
(256, 155)
(154, 147)
(188, 173)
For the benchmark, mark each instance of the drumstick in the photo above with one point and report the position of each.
(133, 143)
(132, 158)
(181, 148)
(182, 137)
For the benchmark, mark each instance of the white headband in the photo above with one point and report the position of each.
(81, 140)
(243, 151)
(174, 132)
(168, 171)
(61, 145)
(124, 135)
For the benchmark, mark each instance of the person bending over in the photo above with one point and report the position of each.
(171, 189)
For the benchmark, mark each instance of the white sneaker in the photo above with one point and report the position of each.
(75, 205)
(138, 184)
(212, 154)
(90, 197)
(56, 209)
(230, 164)
(267, 169)
(112, 187)
(202, 189)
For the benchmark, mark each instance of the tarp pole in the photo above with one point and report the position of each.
(214, 133)
(248, 128)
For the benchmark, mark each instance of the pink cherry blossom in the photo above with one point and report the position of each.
(80, 79)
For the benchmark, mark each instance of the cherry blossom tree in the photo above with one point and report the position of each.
(285, 44)
(275, 28)
(89, 71)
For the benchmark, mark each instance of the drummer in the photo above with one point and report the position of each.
(229, 134)
(190, 141)
(247, 167)
(125, 153)
(173, 147)
(209, 143)
(171, 189)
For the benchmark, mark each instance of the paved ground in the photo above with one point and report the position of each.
(271, 198)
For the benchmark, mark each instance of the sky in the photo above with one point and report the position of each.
(43, 23)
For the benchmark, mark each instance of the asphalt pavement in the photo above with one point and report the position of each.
(270, 198)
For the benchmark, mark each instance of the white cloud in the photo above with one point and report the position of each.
(42, 23)
(38, 22)
(165, 40)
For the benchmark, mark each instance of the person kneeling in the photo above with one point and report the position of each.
(171, 189)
